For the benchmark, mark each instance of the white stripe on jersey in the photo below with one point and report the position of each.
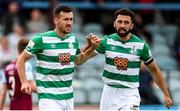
(55, 52)
(129, 71)
(53, 78)
(46, 39)
(130, 57)
(54, 65)
(138, 45)
(63, 90)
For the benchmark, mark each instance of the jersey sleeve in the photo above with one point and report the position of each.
(146, 55)
(35, 45)
(101, 48)
(29, 71)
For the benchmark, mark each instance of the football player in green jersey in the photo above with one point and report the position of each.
(124, 53)
(57, 52)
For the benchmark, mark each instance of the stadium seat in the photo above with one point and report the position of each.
(91, 83)
(159, 39)
(166, 62)
(160, 49)
(80, 96)
(92, 28)
(94, 96)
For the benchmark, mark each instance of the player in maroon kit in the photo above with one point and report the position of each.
(11, 83)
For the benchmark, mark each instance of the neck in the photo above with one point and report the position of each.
(61, 34)
(127, 37)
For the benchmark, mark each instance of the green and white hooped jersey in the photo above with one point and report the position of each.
(55, 64)
(123, 60)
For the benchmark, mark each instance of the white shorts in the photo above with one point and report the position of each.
(119, 99)
(56, 105)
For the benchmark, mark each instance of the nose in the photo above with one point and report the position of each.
(70, 22)
(122, 24)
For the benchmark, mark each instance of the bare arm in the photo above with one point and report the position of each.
(3, 95)
(158, 78)
(89, 51)
(26, 86)
(84, 56)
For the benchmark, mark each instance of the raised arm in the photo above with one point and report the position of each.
(158, 78)
(89, 51)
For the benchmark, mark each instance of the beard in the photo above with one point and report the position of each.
(123, 34)
(65, 30)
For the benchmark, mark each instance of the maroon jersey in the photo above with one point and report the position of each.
(18, 100)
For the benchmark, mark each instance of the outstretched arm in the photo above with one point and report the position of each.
(158, 78)
(89, 51)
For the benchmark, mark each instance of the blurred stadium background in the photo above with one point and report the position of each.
(157, 22)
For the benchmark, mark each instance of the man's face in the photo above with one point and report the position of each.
(64, 22)
(123, 25)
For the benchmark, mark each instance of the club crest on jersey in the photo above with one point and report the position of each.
(133, 50)
(64, 58)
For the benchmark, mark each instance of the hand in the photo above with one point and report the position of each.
(168, 102)
(26, 87)
(88, 41)
(94, 41)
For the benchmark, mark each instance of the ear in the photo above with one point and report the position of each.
(55, 20)
(132, 25)
(114, 23)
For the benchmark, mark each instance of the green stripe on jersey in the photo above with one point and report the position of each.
(46, 71)
(64, 45)
(130, 64)
(118, 86)
(55, 97)
(121, 77)
(54, 84)
(53, 58)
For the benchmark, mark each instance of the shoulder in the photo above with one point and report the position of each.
(137, 39)
(10, 65)
(38, 37)
(111, 36)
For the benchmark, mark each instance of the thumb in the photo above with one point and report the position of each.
(88, 40)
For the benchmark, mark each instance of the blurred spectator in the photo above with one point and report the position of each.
(12, 84)
(15, 36)
(37, 22)
(146, 89)
(177, 45)
(5, 52)
(12, 18)
(147, 14)
(140, 30)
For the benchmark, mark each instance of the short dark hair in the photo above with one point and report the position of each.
(61, 8)
(125, 11)
(22, 43)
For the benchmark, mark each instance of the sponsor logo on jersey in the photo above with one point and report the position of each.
(64, 58)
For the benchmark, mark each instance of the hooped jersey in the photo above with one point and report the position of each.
(123, 60)
(55, 64)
